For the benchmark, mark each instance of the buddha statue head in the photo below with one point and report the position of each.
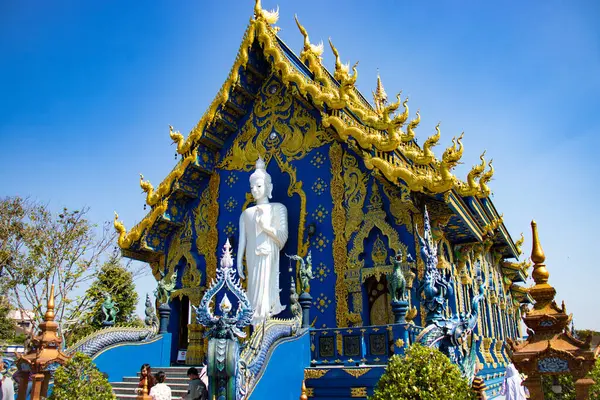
(260, 182)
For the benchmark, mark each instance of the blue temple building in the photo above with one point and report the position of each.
(356, 185)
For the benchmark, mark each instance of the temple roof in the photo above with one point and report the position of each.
(383, 136)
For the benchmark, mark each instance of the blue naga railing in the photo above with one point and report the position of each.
(372, 345)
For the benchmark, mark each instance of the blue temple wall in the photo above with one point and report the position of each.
(283, 376)
(125, 360)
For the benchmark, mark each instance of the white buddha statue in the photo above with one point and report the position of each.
(263, 233)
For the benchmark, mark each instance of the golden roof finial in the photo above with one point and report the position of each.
(50, 311)
(316, 50)
(379, 95)
(341, 70)
(519, 244)
(540, 273)
(270, 17)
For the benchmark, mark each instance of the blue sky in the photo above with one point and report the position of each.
(89, 89)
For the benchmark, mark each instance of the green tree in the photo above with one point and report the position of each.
(7, 327)
(39, 249)
(116, 280)
(422, 373)
(80, 379)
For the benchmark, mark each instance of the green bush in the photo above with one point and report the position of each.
(79, 379)
(424, 374)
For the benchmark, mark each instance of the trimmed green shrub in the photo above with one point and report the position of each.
(79, 379)
(424, 374)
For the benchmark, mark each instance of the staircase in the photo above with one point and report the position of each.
(176, 379)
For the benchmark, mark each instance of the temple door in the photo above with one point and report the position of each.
(380, 308)
(183, 322)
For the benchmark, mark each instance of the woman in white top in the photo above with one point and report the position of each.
(513, 384)
(8, 387)
(160, 391)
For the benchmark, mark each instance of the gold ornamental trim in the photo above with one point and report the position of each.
(315, 373)
(356, 372)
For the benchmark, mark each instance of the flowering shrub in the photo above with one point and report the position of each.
(423, 373)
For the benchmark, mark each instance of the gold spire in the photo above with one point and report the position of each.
(540, 273)
(379, 95)
(50, 311)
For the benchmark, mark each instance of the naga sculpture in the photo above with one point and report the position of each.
(306, 272)
(294, 303)
(449, 334)
(110, 310)
(435, 287)
(164, 288)
(151, 318)
(472, 187)
(105, 337)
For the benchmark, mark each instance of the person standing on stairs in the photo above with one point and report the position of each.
(196, 388)
(160, 391)
(146, 372)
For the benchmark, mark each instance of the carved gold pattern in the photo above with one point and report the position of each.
(340, 252)
(411, 314)
(179, 249)
(401, 205)
(212, 237)
(296, 187)
(399, 343)
(279, 125)
(375, 217)
(339, 343)
(195, 350)
(314, 373)
(487, 343)
(498, 350)
(355, 192)
(358, 392)
(379, 253)
(356, 372)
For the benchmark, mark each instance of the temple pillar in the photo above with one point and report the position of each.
(46, 383)
(305, 303)
(164, 311)
(400, 308)
(37, 381)
(582, 388)
(534, 385)
(195, 351)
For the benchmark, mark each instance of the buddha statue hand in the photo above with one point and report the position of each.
(240, 268)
